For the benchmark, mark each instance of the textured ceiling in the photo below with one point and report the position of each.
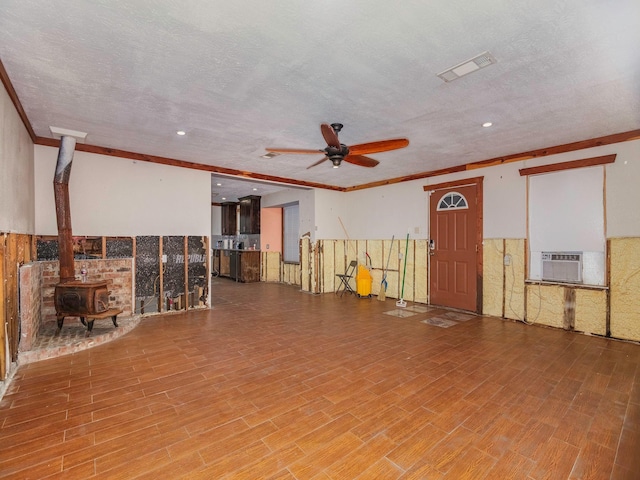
(240, 76)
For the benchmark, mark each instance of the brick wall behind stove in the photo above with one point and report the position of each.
(117, 271)
(30, 304)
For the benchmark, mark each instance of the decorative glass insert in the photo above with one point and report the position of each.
(453, 201)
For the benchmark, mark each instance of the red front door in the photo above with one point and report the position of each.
(453, 248)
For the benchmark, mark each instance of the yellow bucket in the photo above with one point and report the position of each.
(363, 281)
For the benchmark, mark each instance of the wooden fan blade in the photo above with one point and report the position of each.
(293, 150)
(330, 136)
(361, 160)
(377, 147)
(318, 162)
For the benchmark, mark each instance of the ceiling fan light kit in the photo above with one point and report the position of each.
(338, 152)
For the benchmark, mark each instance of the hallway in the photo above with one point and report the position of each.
(276, 383)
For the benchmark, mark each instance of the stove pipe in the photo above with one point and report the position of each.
(63, 210)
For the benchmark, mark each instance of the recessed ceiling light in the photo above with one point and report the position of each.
(224, 198)
(487, 124)
(181, 132)
(255, 189)
(218, 184)
(270, 155)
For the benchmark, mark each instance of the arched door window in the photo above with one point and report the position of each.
(452, 201)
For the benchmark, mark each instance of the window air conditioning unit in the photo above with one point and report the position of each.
(562, 267)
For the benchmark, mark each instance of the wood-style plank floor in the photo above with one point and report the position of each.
(273, 383)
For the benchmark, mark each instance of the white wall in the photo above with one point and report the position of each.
(381, 212)
(378, 213)
(621, 178)
(216, 220)
(16, 164)
(150, 199)
(113, 196)
(623, 190)
(331, 207)
(398, 209)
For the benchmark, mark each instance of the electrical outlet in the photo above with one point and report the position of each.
(164, 259)
(267, 246)
(507, 260)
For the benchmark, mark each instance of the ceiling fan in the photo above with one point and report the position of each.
(337, 152)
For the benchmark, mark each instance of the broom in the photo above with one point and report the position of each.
(383, 284)
(401, 302)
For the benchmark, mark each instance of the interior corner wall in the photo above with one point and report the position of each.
(16, 163)
(112, 196)
(306, 200)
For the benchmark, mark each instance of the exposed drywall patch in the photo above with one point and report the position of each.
(327, 249)
(119, 247)
(173, 273)
(493, 277)
(569, 318)
(407, 283)
(47, 248)
(393, 272)
(625, 288)
(514, 278)
(147, 274)
(335, 255)
(421, 271)
(375, 251)
(591, 311)
(197, 269)
(271, 263)
(306, 265)
(545, 304)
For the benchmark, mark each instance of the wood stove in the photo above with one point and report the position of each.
(73, 298)
(87, 300)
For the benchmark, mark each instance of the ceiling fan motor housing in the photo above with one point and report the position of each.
(336, 155)
(343, 151)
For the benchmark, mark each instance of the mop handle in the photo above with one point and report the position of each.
(404, 273)
(386, 269)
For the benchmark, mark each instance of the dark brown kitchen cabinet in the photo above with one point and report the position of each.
(229, 218)
(221, 262)
(239, 265)
(250, 214)
(247, 266)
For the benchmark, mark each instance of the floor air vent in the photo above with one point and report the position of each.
(562, 267)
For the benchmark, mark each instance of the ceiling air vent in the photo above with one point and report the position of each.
(476, 63)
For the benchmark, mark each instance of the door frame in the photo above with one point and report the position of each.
(477, 181)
